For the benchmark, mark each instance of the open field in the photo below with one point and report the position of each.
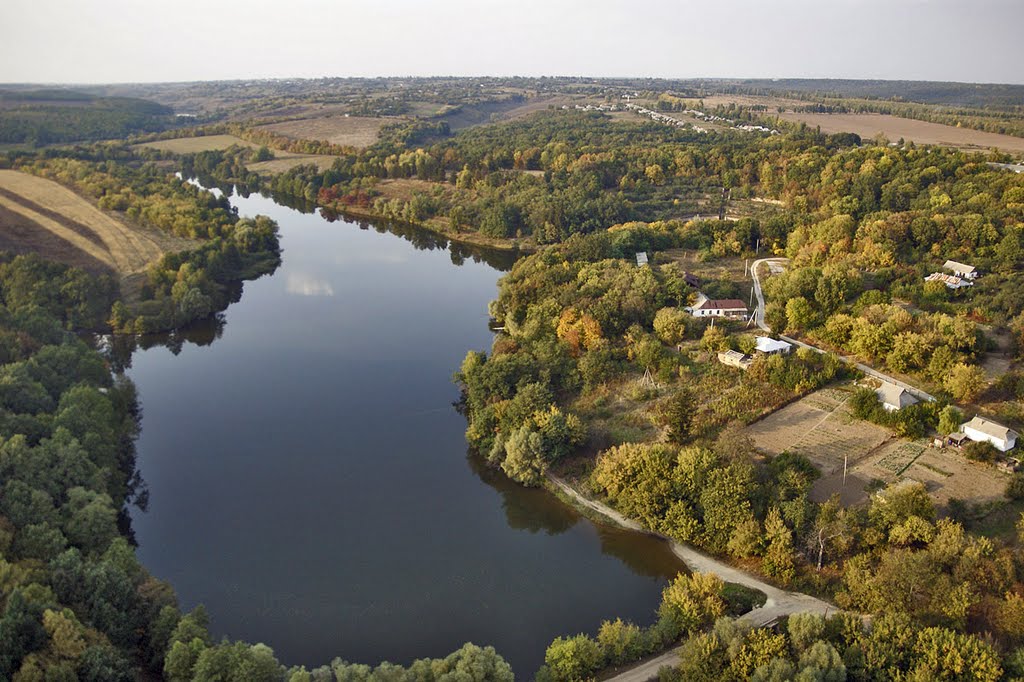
(821, 427)
(194, 145)
(894, 127)
(281, 162)
(40, 215)
(724, 99)
(349, 131)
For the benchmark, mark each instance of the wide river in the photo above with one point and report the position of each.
(310, 482)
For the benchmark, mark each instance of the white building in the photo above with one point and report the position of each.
(641, 258)
(766, 345)
(982, 430)
(961, 270)
(726, 307)
(894, 397)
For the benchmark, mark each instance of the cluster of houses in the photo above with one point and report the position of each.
(593, 107)
(962, 275)
(665, 118)
(978, 429)
(700, 115)
(763, 345)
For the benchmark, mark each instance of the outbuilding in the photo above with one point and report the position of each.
(766, 345)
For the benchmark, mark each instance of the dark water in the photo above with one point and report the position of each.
(310, 482)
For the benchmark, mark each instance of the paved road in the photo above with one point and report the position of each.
(870, 371)
(779, 602)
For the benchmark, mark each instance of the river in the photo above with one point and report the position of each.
(309, 478)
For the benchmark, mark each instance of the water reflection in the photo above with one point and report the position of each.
(536, 510)
(309, 478)
(531, 509)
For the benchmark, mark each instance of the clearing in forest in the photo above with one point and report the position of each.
(347, 131)
(42, 216)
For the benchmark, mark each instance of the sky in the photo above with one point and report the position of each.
(112, 41)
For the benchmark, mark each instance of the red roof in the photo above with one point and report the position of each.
(722, 304)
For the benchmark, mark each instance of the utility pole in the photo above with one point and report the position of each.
(745, 262)
(751, 304)
(757, 249)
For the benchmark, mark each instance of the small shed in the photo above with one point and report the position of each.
(734, 358)
(766, 345)
(641, 258)
(956, 440)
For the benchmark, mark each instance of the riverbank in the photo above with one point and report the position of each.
(779, 602)
(439, 227)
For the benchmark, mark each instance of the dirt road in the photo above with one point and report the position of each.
(870, 371)
(779, 602)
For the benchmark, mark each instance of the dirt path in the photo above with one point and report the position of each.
(870, 371)
(779, 602)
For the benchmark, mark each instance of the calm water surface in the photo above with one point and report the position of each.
(309, 479)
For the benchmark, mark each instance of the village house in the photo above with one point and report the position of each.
(727, 307)
(766, 345)
(982, 430)
(894, 397)
(961, 270)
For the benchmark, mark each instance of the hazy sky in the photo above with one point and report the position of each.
(102, 41)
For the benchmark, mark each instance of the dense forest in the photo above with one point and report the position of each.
(41, 117)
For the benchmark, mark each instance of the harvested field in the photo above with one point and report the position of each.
(349, 131)
(820, 427)
(894, 127)
(285, 162)
(42, 216)
(194, 145)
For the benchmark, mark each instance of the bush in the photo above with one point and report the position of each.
(572, 659)
(980, 452)
(1015, 487)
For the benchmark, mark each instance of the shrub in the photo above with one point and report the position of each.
(980, 452)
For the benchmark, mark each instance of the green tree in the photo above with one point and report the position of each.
(691, 602)
(573, 659)
(670, 325)
(800, 315)
(679, 415)
(950, 420)
(965, 382)
(525, 460)
(778, 557)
